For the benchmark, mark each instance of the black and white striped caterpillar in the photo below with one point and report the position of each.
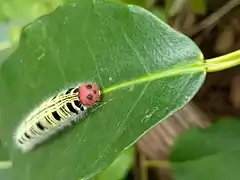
(55, 114)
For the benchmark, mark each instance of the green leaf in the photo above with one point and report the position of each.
(211, 154)
(141, 3)
(5, 163)
(120, 167)
(146, 71)
(4, 53)
(4, 156)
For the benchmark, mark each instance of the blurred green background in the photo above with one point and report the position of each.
(14, 14)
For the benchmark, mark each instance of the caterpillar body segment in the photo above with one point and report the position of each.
(54, 114)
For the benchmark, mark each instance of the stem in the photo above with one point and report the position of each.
(143, 168)
(223, 62)
(157, 164)
(214, 67)
(228, 57)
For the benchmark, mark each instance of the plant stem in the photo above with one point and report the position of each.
(143, 168)
(223, 62)
(227, 57)
(158, 164)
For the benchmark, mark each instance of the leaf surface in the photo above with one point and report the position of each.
(120, 167)
(146, 71)
(211, 154)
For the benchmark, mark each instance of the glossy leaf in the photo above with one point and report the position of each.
(146, 71)
(120, 167)
(211, 154)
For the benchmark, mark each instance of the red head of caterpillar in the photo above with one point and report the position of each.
(89, 94)
(54, 114)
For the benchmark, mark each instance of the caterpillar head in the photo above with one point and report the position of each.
(89, 94)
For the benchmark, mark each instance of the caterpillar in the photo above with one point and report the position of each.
(54, 114)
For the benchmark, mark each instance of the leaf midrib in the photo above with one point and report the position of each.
(158, 75)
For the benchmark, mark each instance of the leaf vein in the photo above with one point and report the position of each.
(140, 58)
(120, 128)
